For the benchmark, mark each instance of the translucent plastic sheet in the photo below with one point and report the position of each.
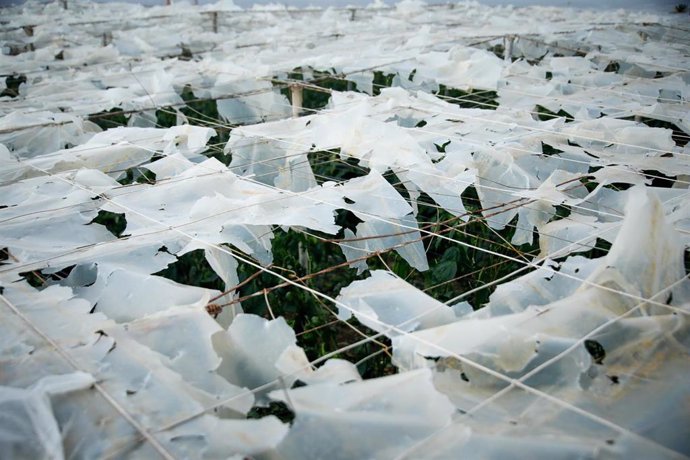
(486, 130)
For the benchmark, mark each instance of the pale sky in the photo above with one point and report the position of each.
(657, 5)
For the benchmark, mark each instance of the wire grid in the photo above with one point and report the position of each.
(525, 264)
(373, 337)
(512, 382)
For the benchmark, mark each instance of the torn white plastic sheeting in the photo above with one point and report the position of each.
(387, 220)
(522, 422)
(250, 239)
(132, 364)
(48, 132)
(226, 438)
(353, 128)
(27, 237)
(113, 151)
(143, 294)
(267, 103)
(578, 233)
(608, 373)
(385, 415)
(217, 199)
(627, 370)
(250, 350)
(494, 167)
(293, 361)
(191, 354)
(225, 266)
(145, 255)
(270, 163)
(141, 87)
(462, 68)
(384, 302)
(373, 195)
(657, 261)
(361, 129)
(516, 335)
(168, 166)
(212, 196)
(29, 428)
(445, 184)
(129, 372)
(376, 235)
(540, 287)
(21, 199)
(625, 142)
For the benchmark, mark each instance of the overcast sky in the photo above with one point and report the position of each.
(658, 5)
(646, 4)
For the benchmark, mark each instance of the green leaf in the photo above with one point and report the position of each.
(451, 254)
(444, 271)
(442, 148)
(116, 223)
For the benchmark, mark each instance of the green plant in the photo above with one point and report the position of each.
(12, 83)
(455, 248)
(469, 99)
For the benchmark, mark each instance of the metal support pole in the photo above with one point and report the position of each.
(296, 97)
(214, 19)
(64, 4)
(353, 12)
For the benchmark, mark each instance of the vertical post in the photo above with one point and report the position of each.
(353, 12)
(64, 4)
(214, 19)
(168, 2)
(296, 99)
(508, 41)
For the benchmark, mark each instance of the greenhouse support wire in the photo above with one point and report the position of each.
(160, 449)
(520, 383)
(451, 137)
(198, 220)
(462, 359)
(305, 193)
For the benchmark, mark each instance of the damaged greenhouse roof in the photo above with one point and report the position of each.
(409, 231)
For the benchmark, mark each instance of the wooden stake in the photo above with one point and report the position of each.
(508, 41)
(297, 100)
(107, 38)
